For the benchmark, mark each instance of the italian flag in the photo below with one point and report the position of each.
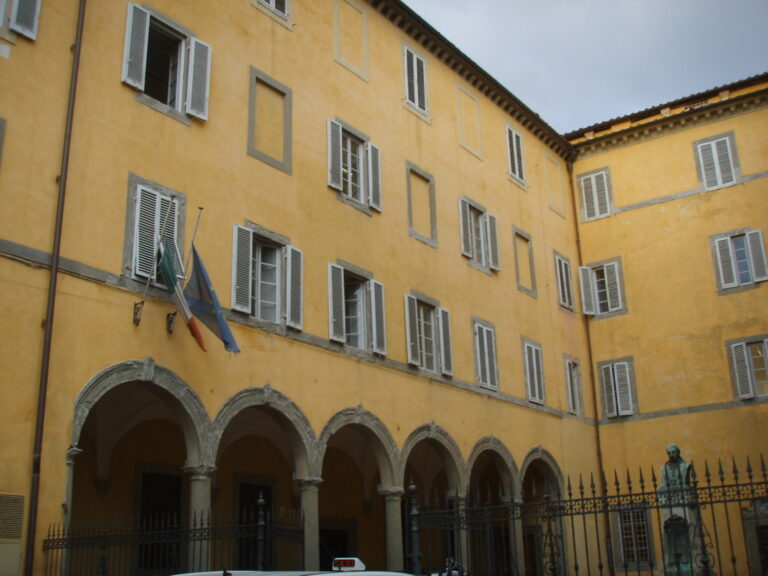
(167, 272)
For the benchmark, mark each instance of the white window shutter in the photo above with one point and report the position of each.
(334, 155)
(145, 245)
(519, 156)
(725, 263)
(411, 329)
(25, 17)
(493, 242)
(465, 225)
(613, 286)
(490, 345)
(446, 352)
(757, 255)
(744, 385)
(587, 278)
(623, 388)
(198, 79)
(373, 154)
(601, 193)
(609, 395)
(378, 317)
(294, 293)
(724, 162)
(168, 221)
(242, 266)
(336, 317)
(135, 49)
(530, 374)
(708, 165)
(588, 197)
(421, 83)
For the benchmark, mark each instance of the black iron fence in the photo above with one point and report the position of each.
(167, 544)
(681, 521)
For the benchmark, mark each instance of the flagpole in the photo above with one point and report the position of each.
(194, 235)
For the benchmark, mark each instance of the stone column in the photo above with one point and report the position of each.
(393, 499)
(199, 513)
(310, 511)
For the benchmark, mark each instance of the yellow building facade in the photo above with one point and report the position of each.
(428, 285)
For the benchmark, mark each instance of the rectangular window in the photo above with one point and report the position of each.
(749, 367)
(616, 378)
(267, 277)
(356, 310)
(534, 371)
(20, 16)
(415, 81)
(485, 354)
(279, 7)
(716, 161)
(739, 258)
(270, 121)
(601, 288)
(635, 538)
(524, 263)
(428, 335)
(564, 287)
(515, 155)
(354, 165)
(155, 215)
(595, 194)
(166, 63)
(573, 385)
(479, 240)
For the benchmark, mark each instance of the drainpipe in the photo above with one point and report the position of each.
(34, 491)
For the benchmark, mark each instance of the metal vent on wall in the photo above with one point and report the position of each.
(11, 516)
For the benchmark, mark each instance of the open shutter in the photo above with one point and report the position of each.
(242, 277)
(334, 155)
(466, 227)
(613, 286)
(623, 388)
(757, 255)
(609, 394)
(374, 176)
(587, 290)
(294, 294)
(493, 242)
(744, 385)
(378, 316)
(446, 352)
(25, 17)
(198, 79)
(411, 329)
(135, 50)
(725, 264)
(145, 233)
(336, 317)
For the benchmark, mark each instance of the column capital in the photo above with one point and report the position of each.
(392, 493)
(199, 472)
(308, 483)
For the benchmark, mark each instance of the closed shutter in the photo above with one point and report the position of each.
(379, 318)
(725, 263)
(587, 290)
(294, 294)
(515, 145)
(446, 353)
(336, 303)
(609, 395)
(135, 50)
(242, 266)
(741, 370)
(490, 345)
(465, 225)
(613, 286)
(411, 329)
(623, 388)
(198, 79)
(421, 83)
(708, 165)
(493, 242)
(168, 223)
(588, 197)
(25, 17)
(724, 162)
(757, 255)
(410, 77)
(145, 233)
(601, 193)
(565, 292)
(530, 372)
(374, 176)
(334, 155)
(519, 156)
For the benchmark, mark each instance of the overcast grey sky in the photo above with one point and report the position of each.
(579, 62)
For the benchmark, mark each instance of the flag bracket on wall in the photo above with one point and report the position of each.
(169, 319)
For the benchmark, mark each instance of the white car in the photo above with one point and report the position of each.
(354, 565)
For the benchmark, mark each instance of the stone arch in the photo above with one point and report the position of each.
(300, 432)
(457, 473)
(508, 470)
(539, 453)
(193, 417)
(387, 455)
